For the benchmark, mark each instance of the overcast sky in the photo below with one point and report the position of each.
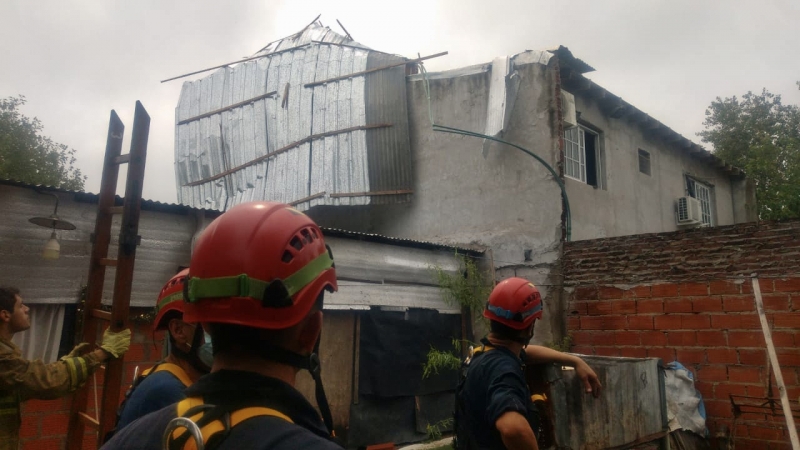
(77, 60)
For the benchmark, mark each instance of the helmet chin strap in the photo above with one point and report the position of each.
(310, 363)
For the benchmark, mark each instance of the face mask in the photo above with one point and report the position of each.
(206, 352)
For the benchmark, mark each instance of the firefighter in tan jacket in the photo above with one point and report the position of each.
(22, 380)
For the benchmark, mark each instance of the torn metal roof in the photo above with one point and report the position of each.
(319, 120)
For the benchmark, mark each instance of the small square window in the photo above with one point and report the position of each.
(644, 162)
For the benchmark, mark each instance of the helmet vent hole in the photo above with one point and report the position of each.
(306, 236)
(314, 232)
(295, 242)
(287, 256)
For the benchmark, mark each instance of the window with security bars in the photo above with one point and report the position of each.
(704, 194)
(582, 158)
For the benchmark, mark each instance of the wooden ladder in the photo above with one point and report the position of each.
(117, 319)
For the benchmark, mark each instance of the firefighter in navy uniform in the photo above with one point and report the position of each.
(256, 283)
(21, 379)
(494, 409)
(188, 359)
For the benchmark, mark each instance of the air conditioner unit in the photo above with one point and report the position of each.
(689, 211)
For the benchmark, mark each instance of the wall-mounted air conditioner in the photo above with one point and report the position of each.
(688, 211)
(568, 112)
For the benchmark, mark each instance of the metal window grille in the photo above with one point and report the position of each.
(575, 153)
(702, 193)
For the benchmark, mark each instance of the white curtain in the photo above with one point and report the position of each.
(41, 341)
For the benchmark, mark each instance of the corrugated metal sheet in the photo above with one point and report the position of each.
(347, 163)
(374, 270)
(632, 407)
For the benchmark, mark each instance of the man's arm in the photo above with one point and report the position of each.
(516, 432)
(35, 379)
(540, 354)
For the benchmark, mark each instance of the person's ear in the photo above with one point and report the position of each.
(5, 316)
(310, 332)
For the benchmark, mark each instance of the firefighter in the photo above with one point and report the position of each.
(188, 359)
(494, 409)
(256, 283)
(22, 380)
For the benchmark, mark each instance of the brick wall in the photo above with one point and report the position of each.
(44, 423)
(687, 296)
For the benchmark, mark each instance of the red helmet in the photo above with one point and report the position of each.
(514, 302)
(260, 264)
(170, 299)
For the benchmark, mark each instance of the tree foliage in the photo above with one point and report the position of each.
(762, 136)
(26, 155)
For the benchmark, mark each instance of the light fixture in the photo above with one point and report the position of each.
(52, 248)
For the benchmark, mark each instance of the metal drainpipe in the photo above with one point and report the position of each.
(445, 129)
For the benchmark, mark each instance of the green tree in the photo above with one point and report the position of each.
(26, 155)
(760, 135)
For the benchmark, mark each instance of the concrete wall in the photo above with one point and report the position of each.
(506, 202)
(633, 202)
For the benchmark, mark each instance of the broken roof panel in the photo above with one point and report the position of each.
(283, 128)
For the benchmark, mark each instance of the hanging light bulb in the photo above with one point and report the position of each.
(52, 249)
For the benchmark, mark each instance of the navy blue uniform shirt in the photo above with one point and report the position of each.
(228, 387)
(495, 384)
(156, 391)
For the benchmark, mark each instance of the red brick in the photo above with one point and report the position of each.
(744, 374)
(609, 293)
(627, 338)
(633, 352)
(678, 305)
(722, 355)
(752, 357)
(690, 356)
(623, 307)
(724, 287)
(135, 353)
(583, 349)
(779, 445)
(664, 290)
(756, 391)
(45, 444)
(640, 322)
(723, 390)
(578, 308)
(789, 357)
(604, 323)
(46, 405)
(637, 292)
(787, 320)
(666, 354)
(573, 323)
(585, 293)
(787, 285)
(693, 289)
(784, 338)
(718, 408)
(706, 304)
(585, 337)
(30, 427)
(709, 338)
(738, 303)
(667, 322)
(681, 338)
(55, 424)
(649, 306)
(735, 322)
(607, 351)
(598, 308)
(653, 338)
(746, 339)
(695, 321)
(776, 302)
(765, 433)
(713, 373)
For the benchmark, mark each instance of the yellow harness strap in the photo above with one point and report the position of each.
(217, 426)
(174, 369)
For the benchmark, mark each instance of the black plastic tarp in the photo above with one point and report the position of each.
(394, 347)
